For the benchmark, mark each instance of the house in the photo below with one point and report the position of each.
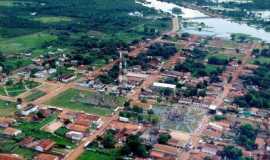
(6, 122)
(44, 156)
(164, 85)
(77, 127)
(260, 143)
(88, 120)
(75, 135)
(209, 149)
(10, 157)
(29, 109)
(26, 142)
(164, 152)
(44, 145)
(11, 131)
(68, 78)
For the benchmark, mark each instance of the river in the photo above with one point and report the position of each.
(218, 27)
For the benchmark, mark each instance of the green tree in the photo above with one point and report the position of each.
(231, 153)
(164, 138)
(134, 145)
(108, 140)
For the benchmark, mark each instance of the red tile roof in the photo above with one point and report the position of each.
(43, 156)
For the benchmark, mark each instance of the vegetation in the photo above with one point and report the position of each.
(98, 154)
(15, 89)
(71, 99)
(246, 136)
(231, 153)
(108, 140)
(134, 145)
(88, 31)
(35, 95)
(7, 108)
(164, 138)
(33, 129)
(256, 98)
(11, 146)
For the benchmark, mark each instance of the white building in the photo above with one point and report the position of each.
(75, 135)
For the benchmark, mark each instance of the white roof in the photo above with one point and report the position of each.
(138, 75)
(164, 85)
(212, 107)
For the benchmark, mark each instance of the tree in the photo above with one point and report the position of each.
(231, 153)
(246, 136)
(134, 145)
(164, 138)
(108, 140)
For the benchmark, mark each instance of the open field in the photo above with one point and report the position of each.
(7, 108)
(71, 99)
(25, 43)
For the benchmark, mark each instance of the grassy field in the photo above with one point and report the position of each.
(92, 155)
(26, 43)
(65, 100)
(52, 19)
(35, 95)
(18, 88)
(7, 108)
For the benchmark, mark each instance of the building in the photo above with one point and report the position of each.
(6, 122)
(43, 156)
(29, 109)
(11, 131)
(44, 145)
(164, 152)
(74, 135)
(10, 157)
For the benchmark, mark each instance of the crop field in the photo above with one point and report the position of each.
(86, 101)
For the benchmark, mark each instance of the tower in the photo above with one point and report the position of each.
(122, 68)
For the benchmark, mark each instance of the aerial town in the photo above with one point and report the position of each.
(154, 86)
